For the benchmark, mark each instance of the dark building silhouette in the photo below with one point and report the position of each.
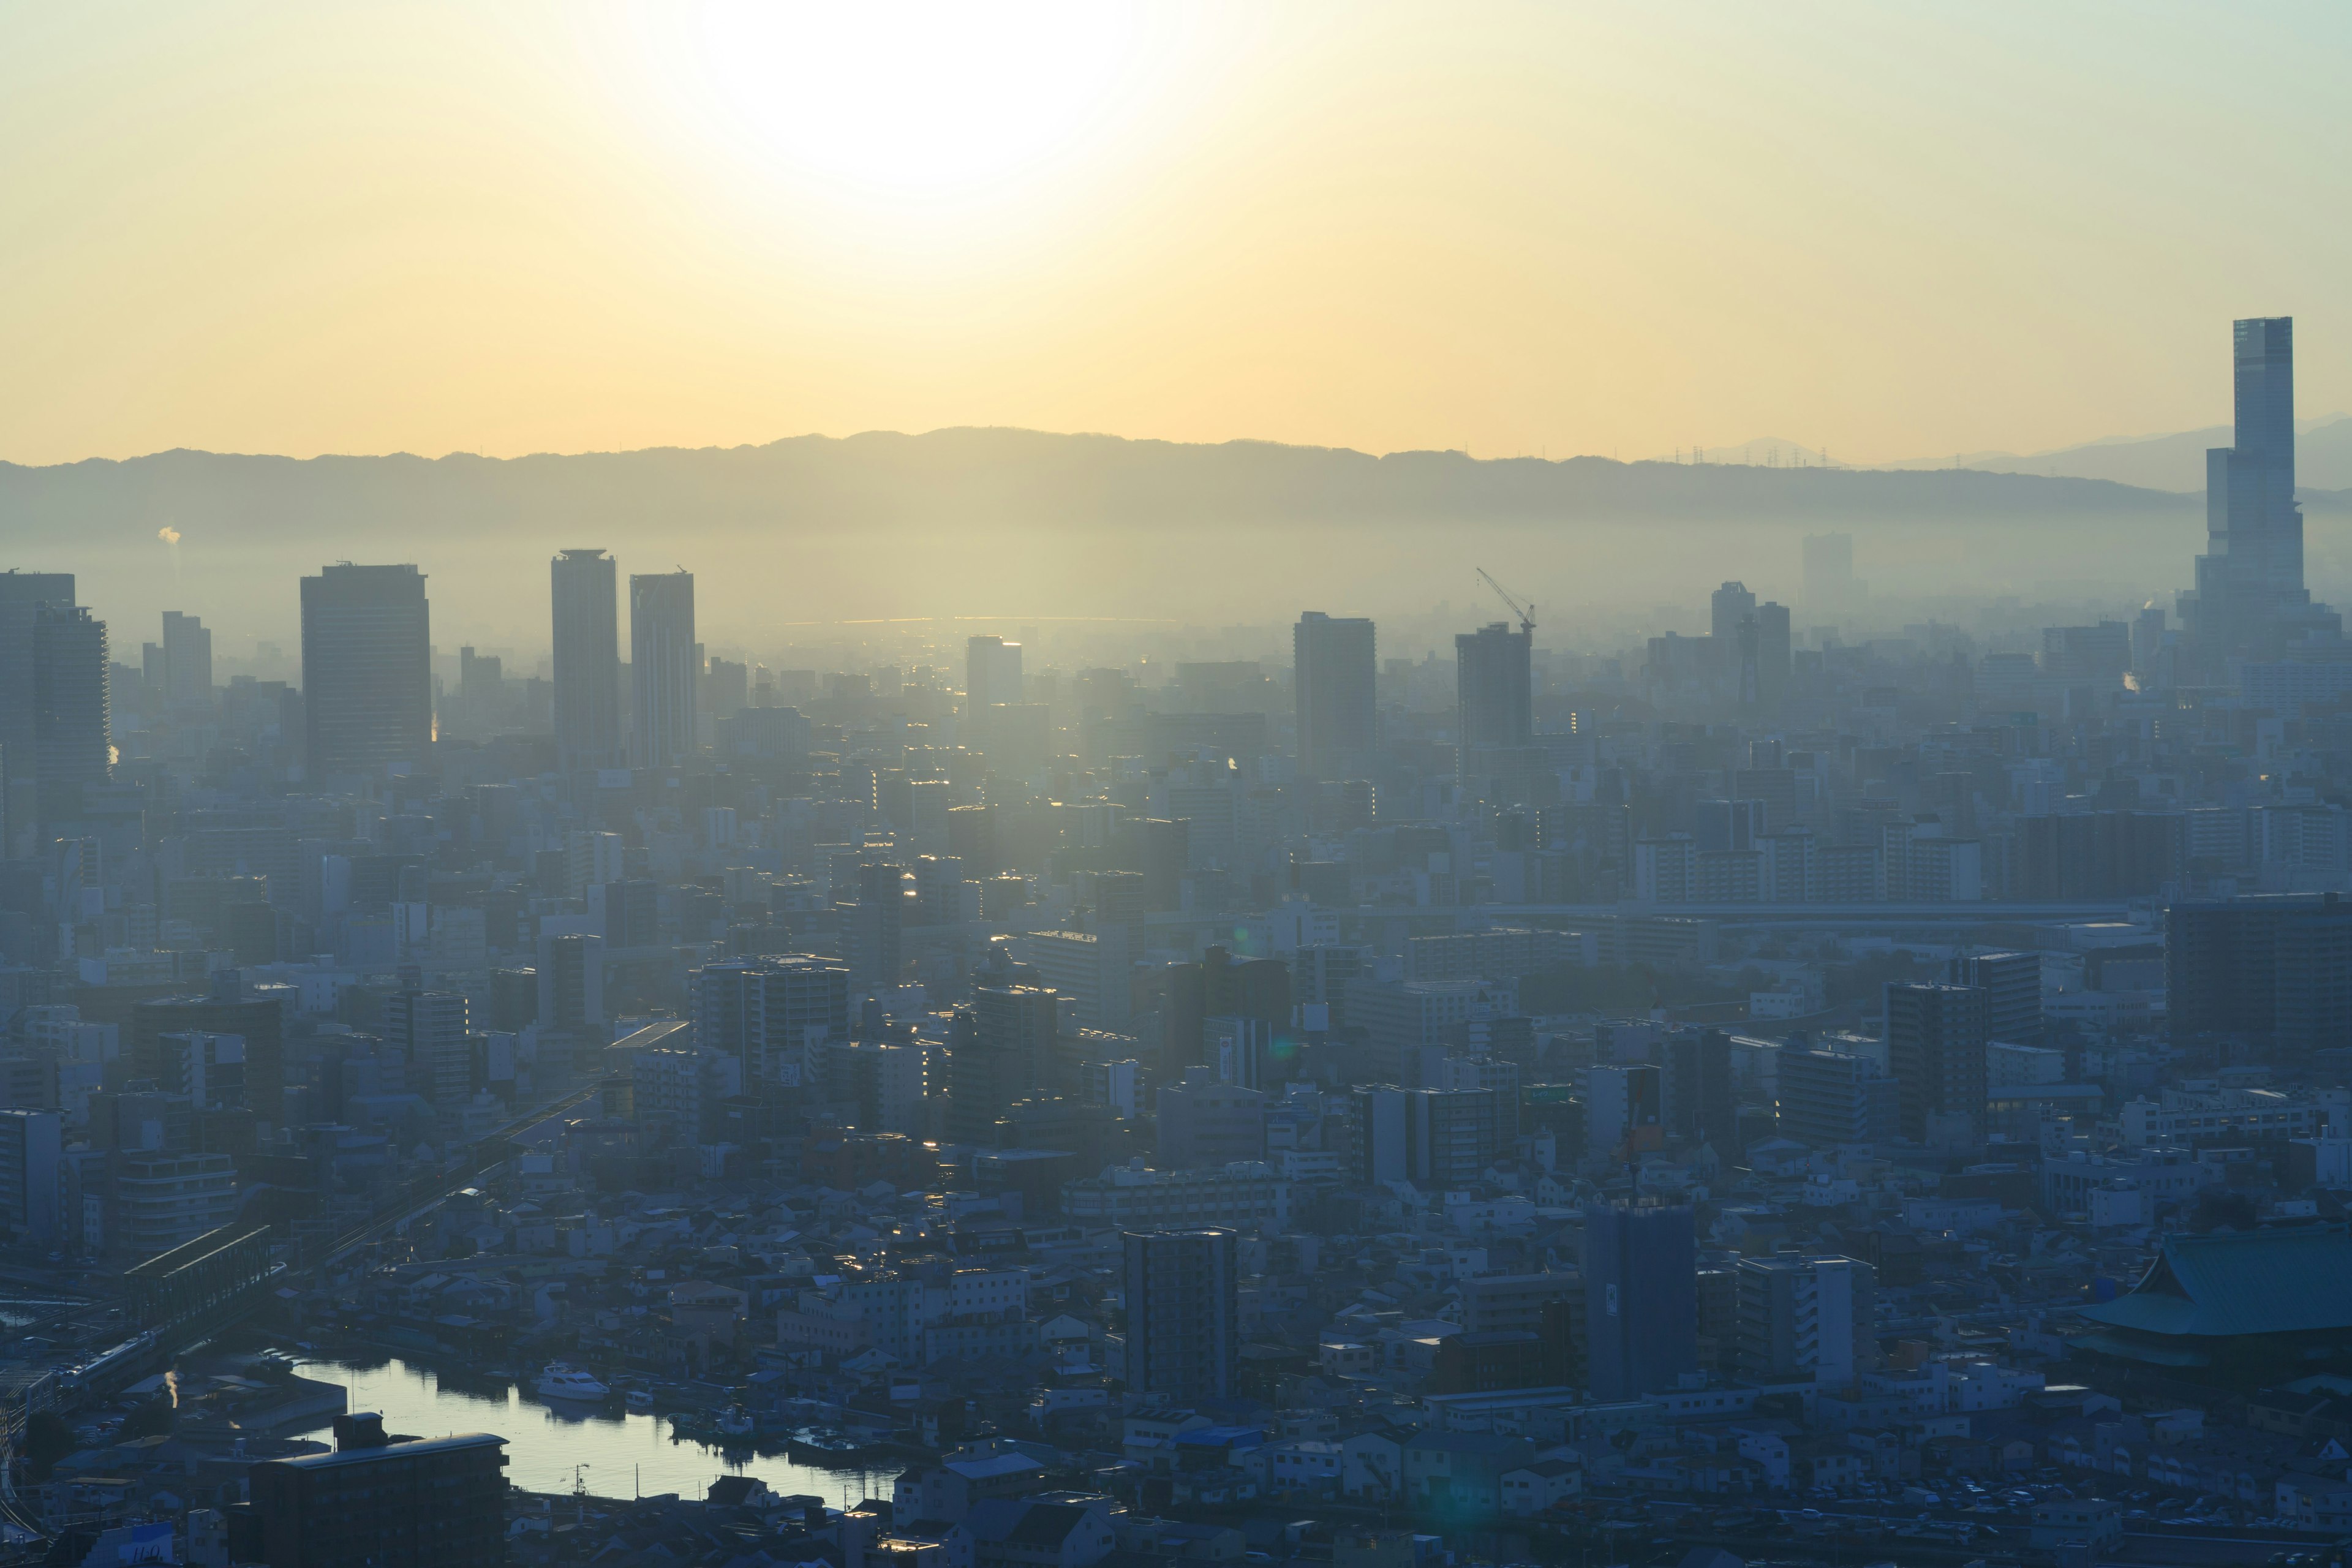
(440, 1503)
(367, 681)
(2274, 970)
(1184, 1315)
(2012, 982)
(999, 1050)
(1935, 1050)
(2250, 596)
(1640, 1307)
(587, 659)
(1333, 661)
(663, 668)
(69, 705)
(1495, 691)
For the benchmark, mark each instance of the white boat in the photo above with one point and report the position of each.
(560, 1380)
(638, 1399)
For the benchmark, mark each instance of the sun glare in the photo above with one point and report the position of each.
(922, 100)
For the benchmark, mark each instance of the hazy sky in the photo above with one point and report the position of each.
(516, 227)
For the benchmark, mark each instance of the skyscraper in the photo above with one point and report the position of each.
(2268, 969)
(663, 665)
(1640, 1267)
(1183, 1314)
(992, 674)
(1726, 607)
(1495, 691)
(1935, 1050)
(69, 705)
(1772, 655)
(187, 658)
(1331, 674)
(22, 594)
(768, 1013)
(2250, 596)
(999, 1050)
(429, 1026)
(587, 659)
(367, 680)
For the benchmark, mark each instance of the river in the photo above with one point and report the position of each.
(616, 1454)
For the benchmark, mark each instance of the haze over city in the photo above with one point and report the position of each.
(1114, 786)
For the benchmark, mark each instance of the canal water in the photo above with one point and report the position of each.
(608, 1452)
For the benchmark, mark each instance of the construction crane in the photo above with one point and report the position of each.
(1527, 613)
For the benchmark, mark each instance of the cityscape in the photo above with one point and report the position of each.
(596, 1061)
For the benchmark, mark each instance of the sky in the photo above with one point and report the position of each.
(565, 226)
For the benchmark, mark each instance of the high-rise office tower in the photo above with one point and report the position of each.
(999, 1050)
(1935, 1049)
(2250, 596)
(1773, 659)
(70, 706)
(430, 1029)
(22, 594)
(773, 1015)
(1829, 570)
(367, 676)
(1495, 691)
(662, 668)
(1183, 1314)
(1697, 1100)
(1332, 664)
(2012, 982)
(992, 674)
(1728, 606)
(587, 659)
(1641, 1267)
(2268, 969)
(187, 658)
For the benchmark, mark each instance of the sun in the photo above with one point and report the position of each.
(916, 101)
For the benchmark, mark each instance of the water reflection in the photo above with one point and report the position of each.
(618, 1455)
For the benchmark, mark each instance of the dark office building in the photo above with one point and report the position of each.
(1495, 691)
(22, 594)
(632, 914)
(876, 924)
(664, 664)
(440, 1503)
(1183, 1316)
(2012, 982)
(1936, 1051)
(1438, 1139)
(1640, 1297)
(1696, 1100)
(587, 661)
(1163, 851)
(999, 1050)
(69, 704)
(2274, 970)
(1220, 986)
(367, 680)
(1332, 666)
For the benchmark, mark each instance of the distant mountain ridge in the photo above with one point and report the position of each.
(981, 477)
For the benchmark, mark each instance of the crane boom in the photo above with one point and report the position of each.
(1527, 613)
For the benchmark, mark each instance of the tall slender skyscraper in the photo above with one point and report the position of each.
(187, 658)
(662, 668)
(587, 661)
(992, 674)
(22, 594)
(70, 706)
(2250, 596)
(1332, 663)
(1184, 1323)
(1494, 689)
(367, 676)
